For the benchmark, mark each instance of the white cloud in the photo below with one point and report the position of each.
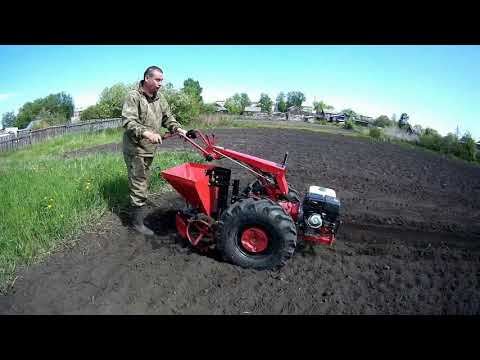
(85, 100)
(6, 96)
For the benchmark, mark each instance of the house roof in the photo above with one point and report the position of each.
(253, 108)
(34, 122)
(221, 108)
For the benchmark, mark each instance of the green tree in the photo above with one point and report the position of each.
(8, 119)
(184, 107)
(193, 89)
(208, 108)
(234, 104)
(55, 119)
(265, 103)
(383, 121)
(349, 113)
(431, 139)
(320, 107)
(237, 103)
(295, 98)
(59, 106)
(244, 100)
(94, 112)
(348, 124)
(281, 103)
(429, 131)
(111, 100)
(468, 147)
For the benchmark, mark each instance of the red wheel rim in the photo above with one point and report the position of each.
(254, 240)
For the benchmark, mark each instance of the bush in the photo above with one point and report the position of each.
(432, 141)
(40, 125)
(349, 125)
(209, 121)
(467, 149)
(94, 112)
(184, 107)
(449, 145)
(375, 133)
(383, 121)
(209, 109)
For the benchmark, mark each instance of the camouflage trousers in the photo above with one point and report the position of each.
(138, 177)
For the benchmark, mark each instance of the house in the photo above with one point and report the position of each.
(220, 106)
(76, 115)
(277, 115)
(307, 109)
(363, 120)
(11, 130)
(331, 117)
(252, 109)
(33, 124)
(296, 113)
(8, 133)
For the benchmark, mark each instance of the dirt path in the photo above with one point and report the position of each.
(410, 243)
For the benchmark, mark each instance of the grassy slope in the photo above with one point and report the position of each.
(45, 200)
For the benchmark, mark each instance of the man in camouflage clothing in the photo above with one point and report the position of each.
(144, 112)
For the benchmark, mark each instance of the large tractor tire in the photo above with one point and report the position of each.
(256, 234)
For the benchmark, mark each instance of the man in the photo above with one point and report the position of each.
(144, 113)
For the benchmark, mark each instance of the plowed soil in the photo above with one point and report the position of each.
(409, 243)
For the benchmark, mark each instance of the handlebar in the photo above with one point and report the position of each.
(190, 134)
(206, 151)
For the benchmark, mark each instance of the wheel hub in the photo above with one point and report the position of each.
(254, 240)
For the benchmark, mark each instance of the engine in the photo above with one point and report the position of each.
(319, 215)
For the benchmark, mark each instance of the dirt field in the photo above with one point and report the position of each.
(410, 243)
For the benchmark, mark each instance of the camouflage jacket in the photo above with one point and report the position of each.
(141, 113)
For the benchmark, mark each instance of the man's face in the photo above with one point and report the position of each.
(153, 83)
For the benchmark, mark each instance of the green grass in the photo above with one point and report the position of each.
(46, 201)
(62, 144)
(375, 133)
(212, 121)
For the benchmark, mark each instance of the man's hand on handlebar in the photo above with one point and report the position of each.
(181, 131)
(155, 138)
(152, 137)
(191, 134)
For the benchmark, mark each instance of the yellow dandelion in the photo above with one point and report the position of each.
(49, 206)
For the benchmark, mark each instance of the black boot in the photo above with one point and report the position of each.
(138, 214)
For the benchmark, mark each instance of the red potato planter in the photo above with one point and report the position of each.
(258, 227)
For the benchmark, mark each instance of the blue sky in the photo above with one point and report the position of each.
(437, 86)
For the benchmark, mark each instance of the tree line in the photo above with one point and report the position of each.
(54, 109)
(187, 104)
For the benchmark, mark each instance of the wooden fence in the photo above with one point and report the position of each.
(30, 137)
